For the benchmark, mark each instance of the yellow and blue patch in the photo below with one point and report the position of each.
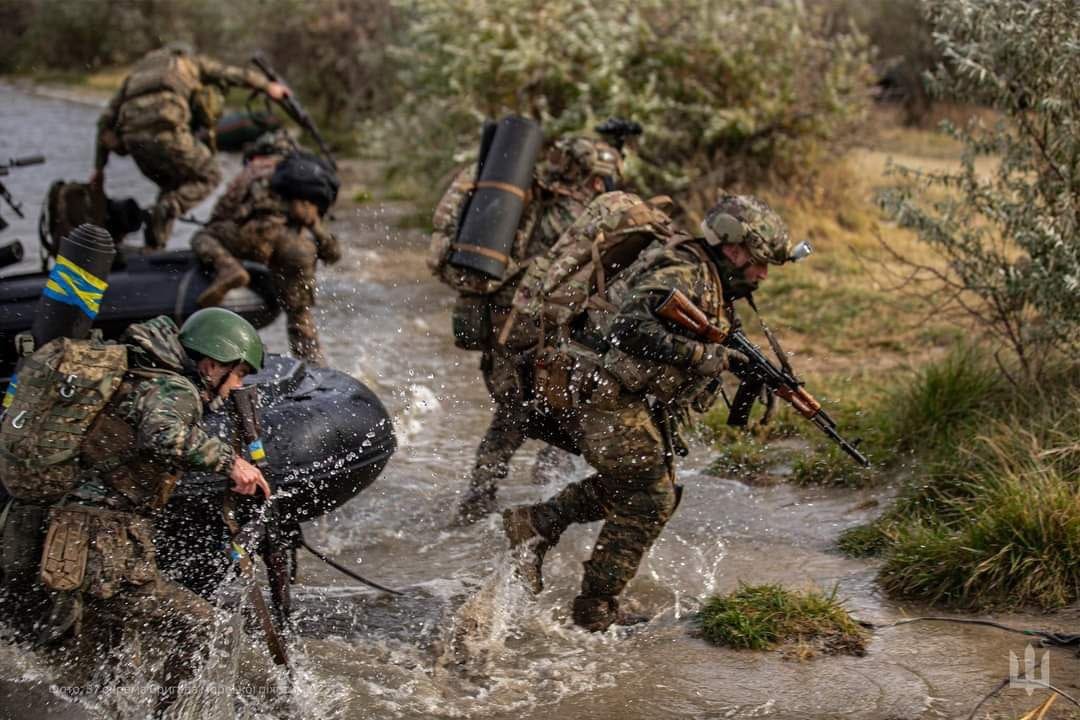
(255, 449)
(9, 394)
(72, 285)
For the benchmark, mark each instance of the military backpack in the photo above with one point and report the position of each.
(607, 238)
(61, 390)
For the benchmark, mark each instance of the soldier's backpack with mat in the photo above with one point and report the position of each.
(62, 389)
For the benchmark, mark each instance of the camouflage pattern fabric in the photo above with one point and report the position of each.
(745, 219)
(149, 432)
(633, 490)
(151, 118)
(184, 169)
(251, 222)
(506, 368)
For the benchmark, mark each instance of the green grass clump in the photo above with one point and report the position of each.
(761, 617)
(865, 540)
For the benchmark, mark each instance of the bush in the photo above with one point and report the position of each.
(728, 92)
(761, 617)
(1007, 230)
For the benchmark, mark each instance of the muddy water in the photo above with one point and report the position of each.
(464, 641)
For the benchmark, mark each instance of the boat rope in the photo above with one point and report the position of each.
(1048, 637)
(342, 569)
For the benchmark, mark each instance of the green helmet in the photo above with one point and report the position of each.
(744, 219)
(224, 336)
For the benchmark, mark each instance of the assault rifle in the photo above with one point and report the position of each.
(759, 372)
(262, 535)
(294, 110)
(5, 168)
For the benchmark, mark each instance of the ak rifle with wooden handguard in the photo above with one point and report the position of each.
(759, 371)
(294, 110)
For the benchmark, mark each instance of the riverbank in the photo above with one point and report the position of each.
(386, 320)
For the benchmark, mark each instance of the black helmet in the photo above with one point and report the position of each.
(303, 176)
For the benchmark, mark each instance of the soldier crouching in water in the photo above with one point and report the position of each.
(572, 172)
(273, 213)
(169, 96)
(130, 459)
(636, 375)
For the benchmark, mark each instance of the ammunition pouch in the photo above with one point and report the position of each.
(471, 319)
(99, 551)
(63, 559)
(635, 374)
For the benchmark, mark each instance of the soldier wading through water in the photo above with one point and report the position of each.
(571, 172)
(273, 213)
(130, 420)
(634, 377)
(170, 96)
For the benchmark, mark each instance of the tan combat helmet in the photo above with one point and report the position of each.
(745, 219)
(573, 160)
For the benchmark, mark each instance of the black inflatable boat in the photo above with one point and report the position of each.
(140, 287)
(327, 437)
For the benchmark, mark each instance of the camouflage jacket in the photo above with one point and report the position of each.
(647, 354)
(249, 197)
(551, 210)
(159, 93)
(151, 430)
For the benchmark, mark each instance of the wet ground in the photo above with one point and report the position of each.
(464, 642)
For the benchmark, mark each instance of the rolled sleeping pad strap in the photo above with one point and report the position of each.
(491, 217)
(11, 253)
(75, 288)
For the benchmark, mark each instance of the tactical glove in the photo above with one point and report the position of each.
(716, 359)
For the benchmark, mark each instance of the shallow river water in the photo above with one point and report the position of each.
(464, 642)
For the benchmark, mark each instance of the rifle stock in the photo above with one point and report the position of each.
(758, 372)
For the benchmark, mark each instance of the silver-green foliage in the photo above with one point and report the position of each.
(1008, 227)
(727, 91)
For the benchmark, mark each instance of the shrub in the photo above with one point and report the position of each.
(728, 92)
(1007, 230)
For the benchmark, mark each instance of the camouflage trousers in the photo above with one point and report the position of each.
(184, 169)
(291, 254)
(505, 374)
(633, 492)
(126, 598)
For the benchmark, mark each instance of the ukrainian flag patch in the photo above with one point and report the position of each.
(72, 285)
(255, 449)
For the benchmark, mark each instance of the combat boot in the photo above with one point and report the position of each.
(597, 614)
(527, 547)
(228, 275)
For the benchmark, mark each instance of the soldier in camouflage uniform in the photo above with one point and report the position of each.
(636, 376)
(573, 171)
(167, 99)
(253, 222)
(145, 438)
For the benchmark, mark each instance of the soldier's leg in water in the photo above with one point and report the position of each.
(228, 272)
(293, 267)
(504, 436)
(627, 448)
(173, 623)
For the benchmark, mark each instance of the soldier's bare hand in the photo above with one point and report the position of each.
(278, 91)
(247, 478)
